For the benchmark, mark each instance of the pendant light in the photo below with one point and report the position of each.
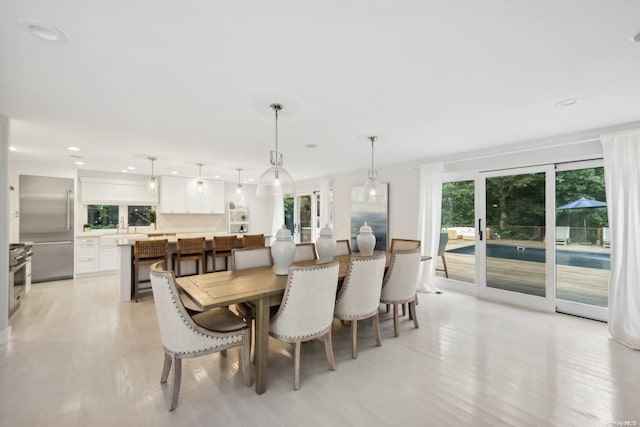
(240, 192)
(276, 181)
(371, 191)
(152, 184)
(199, 181)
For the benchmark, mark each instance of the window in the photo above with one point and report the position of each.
(102, 216)
(139, 215)
(114, 216)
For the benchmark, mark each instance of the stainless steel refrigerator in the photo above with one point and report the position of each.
(46, 219)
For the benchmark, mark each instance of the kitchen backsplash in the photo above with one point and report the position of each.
(192, 222)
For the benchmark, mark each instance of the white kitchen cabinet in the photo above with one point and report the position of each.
(178, 195)
(108, 259)
(172, 194)
(87, 255)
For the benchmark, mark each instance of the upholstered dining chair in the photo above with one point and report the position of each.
(306, 311)
(147, 252)
(221, 247)
(252, 241)
(305, 252)
(243, 259)
(404, 245)
(359, 297)
(400, 282)
(189, 249)
(251, 258)
(343, 247)
(185, 336)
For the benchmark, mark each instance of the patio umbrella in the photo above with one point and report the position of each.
(583, 203)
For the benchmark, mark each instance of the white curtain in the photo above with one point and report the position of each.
(622, 180)
(430, 199)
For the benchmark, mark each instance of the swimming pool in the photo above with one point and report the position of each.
(598, 260)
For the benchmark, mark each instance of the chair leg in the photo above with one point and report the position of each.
(387, 308)
(245, 358)
(412, 310)
(416, 298)
(444, 263)
(166, 368)
(404, 309)
(354, 339)
(396, 330)
(328, 348)
(177, 378)
(296, 366)
(376, 329)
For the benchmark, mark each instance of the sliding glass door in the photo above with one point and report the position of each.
(583, 255)
(515, 255)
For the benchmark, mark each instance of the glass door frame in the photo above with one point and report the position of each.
(573, 307)
(297, 227)
(548, 302)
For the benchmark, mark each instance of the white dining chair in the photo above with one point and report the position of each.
(306, 311)
(359, 297)
(251, 258)
(185, 336)
(343, 247)
(400, 283)
(305, 252)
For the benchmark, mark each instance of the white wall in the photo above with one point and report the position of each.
(403, 183)
(5, 330)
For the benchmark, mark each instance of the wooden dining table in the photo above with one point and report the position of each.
(261, 286)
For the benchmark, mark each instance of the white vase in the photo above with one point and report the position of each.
(282, 251)
(326, 244)
(366, 240)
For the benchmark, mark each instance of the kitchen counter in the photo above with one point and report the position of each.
(125, 247)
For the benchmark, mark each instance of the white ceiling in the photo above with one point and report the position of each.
(192, 81)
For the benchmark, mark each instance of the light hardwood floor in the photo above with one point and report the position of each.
(78, 357)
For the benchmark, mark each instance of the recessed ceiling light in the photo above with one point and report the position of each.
(311, 145)
(43, 31)
(131, 168)
(250, 180)
(216, 176)
(78, 162)
(12, 148)
(125, 171)
(73, 149)
(174, 172)
(567, 102)
(636, 38)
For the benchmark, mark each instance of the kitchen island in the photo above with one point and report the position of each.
(125, 248)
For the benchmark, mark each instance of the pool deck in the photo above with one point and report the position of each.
(579, 284)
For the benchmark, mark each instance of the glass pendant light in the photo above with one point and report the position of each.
(276, 181)
(371, 191)
(152, 184)
(199, 181)
(240, 192)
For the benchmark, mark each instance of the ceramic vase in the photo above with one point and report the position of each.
(366, 240)
(326, 244)
(283, 251)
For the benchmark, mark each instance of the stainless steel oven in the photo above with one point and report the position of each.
(18, 258)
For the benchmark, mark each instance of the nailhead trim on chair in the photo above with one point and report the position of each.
(221, 341)
(344, 288)
(285, 299)
(389, 271)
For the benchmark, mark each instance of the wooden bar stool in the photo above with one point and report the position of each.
(190, 249)
(147, 252)
(250, 241)
(221, 247)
